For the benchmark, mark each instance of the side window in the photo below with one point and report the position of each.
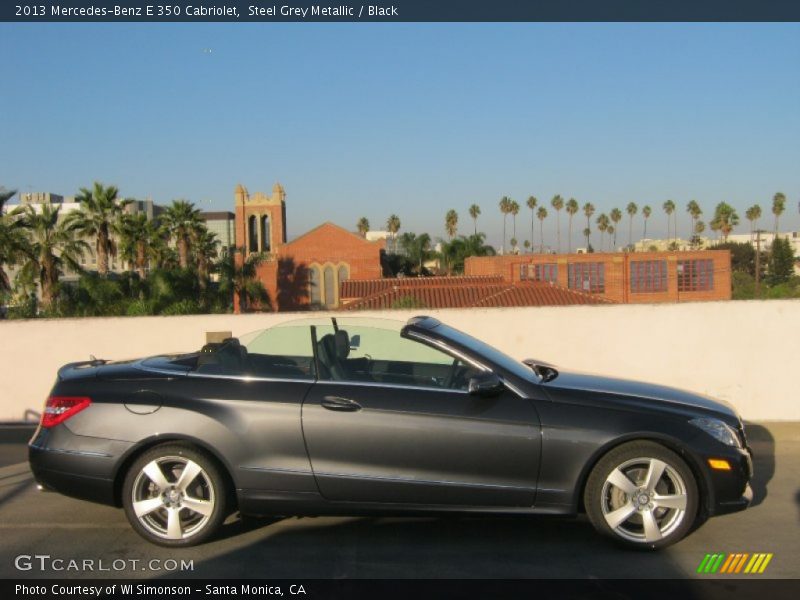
(375, 355)
(283, 352)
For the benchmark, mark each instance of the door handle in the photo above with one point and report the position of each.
(340, 404)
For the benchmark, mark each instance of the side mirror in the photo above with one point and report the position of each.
(486, 385)
(355, 342)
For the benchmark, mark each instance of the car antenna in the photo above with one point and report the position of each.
(335, 325)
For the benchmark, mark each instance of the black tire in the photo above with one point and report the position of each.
(650, 525)
(206, 491)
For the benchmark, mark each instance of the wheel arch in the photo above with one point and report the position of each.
(676, 445)
(130, 457)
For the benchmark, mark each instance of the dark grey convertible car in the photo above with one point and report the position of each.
(371, 416)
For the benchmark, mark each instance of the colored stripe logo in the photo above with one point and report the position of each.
(738, 562)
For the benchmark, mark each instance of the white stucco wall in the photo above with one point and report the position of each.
(742, 352)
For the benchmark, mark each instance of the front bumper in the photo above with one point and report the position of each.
(729, 491)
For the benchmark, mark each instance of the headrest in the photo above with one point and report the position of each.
(342, 344)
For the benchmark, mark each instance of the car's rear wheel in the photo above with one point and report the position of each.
(174, 495)
(642, 495)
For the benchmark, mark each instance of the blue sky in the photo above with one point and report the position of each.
(413, 119)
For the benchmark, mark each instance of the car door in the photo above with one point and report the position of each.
(393, 422)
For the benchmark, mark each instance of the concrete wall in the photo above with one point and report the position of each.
(742, 352)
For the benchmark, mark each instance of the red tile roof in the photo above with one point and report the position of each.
(353, 288)
(464, 292)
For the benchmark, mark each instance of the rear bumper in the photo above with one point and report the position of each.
(78, 466)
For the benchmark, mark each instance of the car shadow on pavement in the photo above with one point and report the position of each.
(426, 547)
(762, 444)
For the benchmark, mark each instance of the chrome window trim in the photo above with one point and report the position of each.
(398, 386)
(221, 376)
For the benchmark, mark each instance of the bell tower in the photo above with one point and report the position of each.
(260, 219)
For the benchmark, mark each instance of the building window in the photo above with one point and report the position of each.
(330, 286)
(648, 276)
(315, 291)
(695, 275)
(547, 272)
(252, 234)
(265, 241)
(587, 277)
(343, 274)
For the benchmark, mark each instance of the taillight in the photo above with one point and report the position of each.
(60, 408)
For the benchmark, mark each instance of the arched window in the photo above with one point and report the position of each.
(330, 286)
(265, 241)
(344, 274)
(252, 234)
(315, 291)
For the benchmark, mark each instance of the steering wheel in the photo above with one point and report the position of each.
(451, 376)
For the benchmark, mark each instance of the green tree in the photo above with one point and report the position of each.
(778, 206)
(695, 212)
(527, 245)
(98, 218)
(558, 203)
(631, 209)
(753, 214)
(588, 210)
(451, 223)
(393, 226)
(475, 212)
(239, 278)
(417, 248)
(725, 219)
(182, 219)
(206, 250)
(541, 214)
(363, 226)
(616, 216)
(669, 209)
(136, 232)
(51, 246)
(646, 212)
(531, 204)
(12, 240)
(781, 262)
(572, 209)
(602, 226)
(514, 210)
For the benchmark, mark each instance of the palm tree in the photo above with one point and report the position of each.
(98, 217)
(5, 196)
(514, 245)
(778, 206)
(451, 223)
(363, 226)
(631, 209)
(205, 248)
(51, 246)
(669, 208)
(541, 214)
(558, 203)
(531, 203)
(162, 255)
(572, 209)
(699, 228)
(616, 217)
(646, 212)
(514, 210)
(136, 233)
(393, 226)
(725, 219)
(181, 220)
(12, 240)
(239, 278)
(753, 214)
(474, 212)
(588, 210)
(527, 245)
(417, 247)
(694, 210)
(505, 209)
(602, 226)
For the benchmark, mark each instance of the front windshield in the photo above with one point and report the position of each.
(502, 360)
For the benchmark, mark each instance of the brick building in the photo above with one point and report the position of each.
(638, 277)
(308, 271)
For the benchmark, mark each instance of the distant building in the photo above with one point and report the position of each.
(635, 277)
(223, 225)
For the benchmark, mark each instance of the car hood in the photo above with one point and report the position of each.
(649, 393)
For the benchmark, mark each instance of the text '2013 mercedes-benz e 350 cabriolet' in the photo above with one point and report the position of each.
(355, 416)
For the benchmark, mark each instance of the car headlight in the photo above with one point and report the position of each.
(719, 430)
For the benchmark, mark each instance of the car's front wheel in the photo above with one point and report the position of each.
(174, 495)
(642, 494)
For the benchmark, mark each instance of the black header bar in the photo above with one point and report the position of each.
(397, 11)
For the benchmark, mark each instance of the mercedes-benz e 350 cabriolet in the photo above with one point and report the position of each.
(355, 416)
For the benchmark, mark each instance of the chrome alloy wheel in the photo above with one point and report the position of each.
(644, 500)
(173, 497)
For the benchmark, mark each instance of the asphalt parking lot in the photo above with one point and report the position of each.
(35, 523)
